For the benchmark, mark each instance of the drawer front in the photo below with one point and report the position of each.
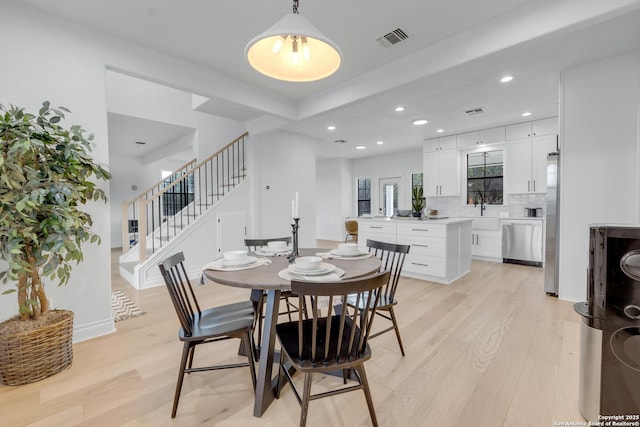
(425, 246)
(421, 230)
(425, 265)
(377, 228)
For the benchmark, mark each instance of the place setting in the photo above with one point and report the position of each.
(346, 251)
(236, 260)
(311, 268)
(276, 248)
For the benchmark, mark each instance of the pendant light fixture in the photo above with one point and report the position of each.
(293, 50)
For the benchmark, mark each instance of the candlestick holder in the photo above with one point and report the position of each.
(294, 232)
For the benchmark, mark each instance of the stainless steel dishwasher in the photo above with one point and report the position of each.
(522, 241)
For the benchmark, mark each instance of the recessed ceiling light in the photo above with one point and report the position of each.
(420, 122)
(399, 108)
(506, 79)
(331, 127)
(526, 114)
(380, 142)
(360, 147)
(440, 130)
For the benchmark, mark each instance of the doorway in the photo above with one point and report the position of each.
(389, 195)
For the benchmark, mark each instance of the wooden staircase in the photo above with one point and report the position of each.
(159, 215)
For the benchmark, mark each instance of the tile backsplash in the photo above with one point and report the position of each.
(452, 206)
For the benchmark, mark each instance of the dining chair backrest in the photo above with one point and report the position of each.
(351, 226)
(335, 333)
(392, 258)
(182, 295)
(253, 244)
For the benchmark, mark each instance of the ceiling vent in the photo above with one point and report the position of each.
(475, 111)
(340, 141)
(392, 38)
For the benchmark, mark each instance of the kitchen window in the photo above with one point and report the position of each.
(485, 178)
(416, 182)
(364, 196)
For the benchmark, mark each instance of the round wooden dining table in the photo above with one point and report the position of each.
(266, 277)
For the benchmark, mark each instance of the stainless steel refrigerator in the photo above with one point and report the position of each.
(552, 212)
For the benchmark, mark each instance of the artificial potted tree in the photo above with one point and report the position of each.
(417, 201)
(47, 176)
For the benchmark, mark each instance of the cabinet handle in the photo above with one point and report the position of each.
(419, 229)
(529, 186)
(371, 226)
(421, 246)
(418, 263)
(436, 190)
(534, 185)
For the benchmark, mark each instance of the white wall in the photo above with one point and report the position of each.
(285, 162)
(56, 60)
(143, 99)
(50, 63)
(599, 158)
(401, 164)
(334, 197)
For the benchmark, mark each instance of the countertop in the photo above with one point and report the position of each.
(443, 220)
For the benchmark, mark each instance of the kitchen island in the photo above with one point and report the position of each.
(440, 248)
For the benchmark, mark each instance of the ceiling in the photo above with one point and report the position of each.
(456, 53)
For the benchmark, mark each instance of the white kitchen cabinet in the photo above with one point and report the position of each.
(440, 249)
(526, 164)
(485, 136)
(382, 231)
(441, 173)
(540, 127)
(486, 244)
(442, 143)
(486, 239)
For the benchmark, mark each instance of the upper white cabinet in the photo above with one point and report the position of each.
(442, 143)
(529, 129)
(441, 173)
(527, 164)
(486, 136)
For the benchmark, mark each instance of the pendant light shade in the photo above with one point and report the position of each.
(293, 50)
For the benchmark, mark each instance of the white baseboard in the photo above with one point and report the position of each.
(93, 330)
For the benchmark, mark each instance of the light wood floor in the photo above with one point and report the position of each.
(489, 350)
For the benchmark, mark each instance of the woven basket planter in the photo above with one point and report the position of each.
(33, 355)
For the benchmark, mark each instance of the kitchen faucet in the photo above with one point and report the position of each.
(475, 202)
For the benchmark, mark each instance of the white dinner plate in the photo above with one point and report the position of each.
(324, 269)
(238, 262)
(338, 252)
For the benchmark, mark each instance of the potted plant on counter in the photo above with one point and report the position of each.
(417, 202)
(47, 176)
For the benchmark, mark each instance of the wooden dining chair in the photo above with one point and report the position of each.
(257, 295)
(333, 339)
(392, 258)
(352, 230)
(204, 326)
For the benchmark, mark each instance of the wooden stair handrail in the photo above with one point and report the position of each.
(157, 184)
(196, 167)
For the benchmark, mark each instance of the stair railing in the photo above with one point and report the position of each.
(183, 197)
(130, 209)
